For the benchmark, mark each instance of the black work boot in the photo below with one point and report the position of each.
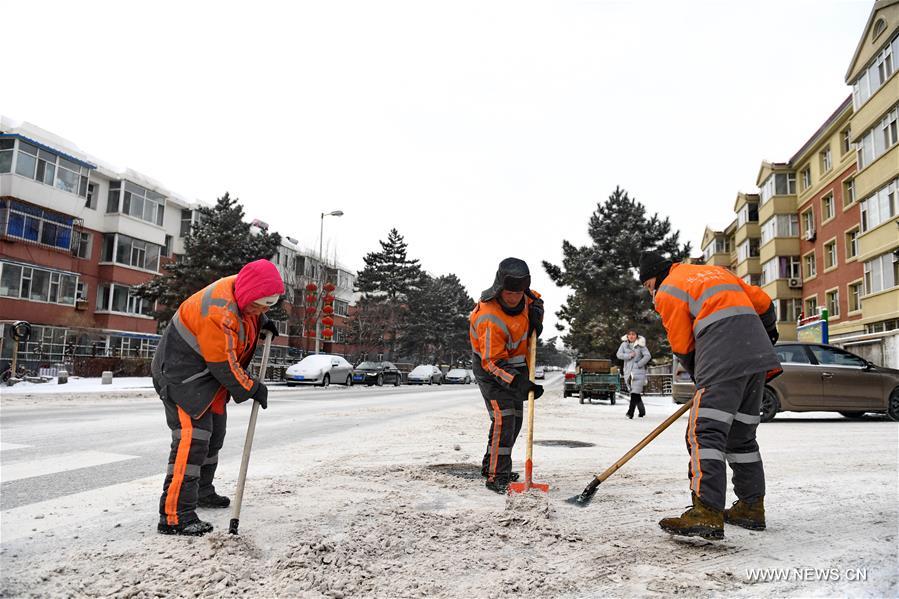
(748, 514)
(213, 500)
(500, 485)
(513, 476)
(194, 528)
(698, 521)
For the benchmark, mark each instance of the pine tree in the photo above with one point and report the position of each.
(436, 325)
(388, 279)
(606, 296)
(219, 245)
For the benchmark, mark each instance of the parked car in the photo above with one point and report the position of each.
(540, 372)
(425, 374)
(459, 376)
(377, 373)
(824, 378)
(682, 388)
(320, 369)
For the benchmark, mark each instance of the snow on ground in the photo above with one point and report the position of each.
(403, 513)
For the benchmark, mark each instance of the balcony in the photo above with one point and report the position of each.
(747, 231)
(134, 227)
(879, 240)
(750, 266)
(777, 205)
(874, 109)
(881, 306)
(877, 173)
(780, 289)
(779, 246)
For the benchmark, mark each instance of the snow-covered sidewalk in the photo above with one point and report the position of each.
(402, 512)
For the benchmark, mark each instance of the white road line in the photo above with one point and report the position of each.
(60, 463)
(5, 446)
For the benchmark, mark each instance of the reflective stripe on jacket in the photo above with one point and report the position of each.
(205, 349)
(716, 323)
(499, 341)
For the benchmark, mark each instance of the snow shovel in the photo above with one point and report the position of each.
(529, 484)
(587, 494)
(248, 444)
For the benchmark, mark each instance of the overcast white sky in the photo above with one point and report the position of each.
(480, 130)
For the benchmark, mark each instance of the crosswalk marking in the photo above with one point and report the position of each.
(61, 463)
(6, 446)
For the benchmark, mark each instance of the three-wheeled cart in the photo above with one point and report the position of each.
(596, 380)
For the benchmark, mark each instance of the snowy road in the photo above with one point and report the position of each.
(375, 492)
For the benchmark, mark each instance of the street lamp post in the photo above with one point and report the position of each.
(321, 264)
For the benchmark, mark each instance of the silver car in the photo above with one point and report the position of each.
(320, 369)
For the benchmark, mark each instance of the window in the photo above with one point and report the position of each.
(751, 279)
(792, 354)
(811, 306)
(781, 225)
(831, 356)
(879, 139)
(169, 246)
(6, 149)
(122, 249)
(808, 221)
(81, 292)
(186, 222)
(341, 308)
(880, 207)
(788, 310)
(832, 300)
(37, 284)
(91, 201)
(825, 160)
(855, 297)
(82, 245)
(827, 210)
(112, 297)
(806, 177)
(777, 184)
(749, 213)
(721, 245)
(852, 243)
(882, 326)
(748, 249)
(50, 169)
(781, 267)
(848, 192)
(830, 254)
(881, 273)
(876, 74)
(31, 223)
(136, 201)
(810, 268)
(845, 141)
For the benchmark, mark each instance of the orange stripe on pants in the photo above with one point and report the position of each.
(694, 453)
(174, 490)
(497, 432)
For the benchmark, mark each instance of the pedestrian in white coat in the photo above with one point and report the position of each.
(635, 356)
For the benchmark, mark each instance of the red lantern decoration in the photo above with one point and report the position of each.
(329, 287)
(327, 333)
(310, 299)
(328, 309)
(329, 299)
(310, 310)
(310, 333)
(311, 287)
(327, 321)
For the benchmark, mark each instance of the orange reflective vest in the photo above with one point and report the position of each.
(716, 323)
(205, 349)
(499, 341)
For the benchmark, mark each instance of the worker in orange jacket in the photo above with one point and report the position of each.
(499, 328)
(722, 329)
(200, 363)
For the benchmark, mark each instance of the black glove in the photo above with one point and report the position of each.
(522, 386)
(261, 395)
(267, 324)
(535, 316)
(773, 335)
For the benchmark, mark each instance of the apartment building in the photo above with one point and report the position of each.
(874, 131)
(77, 235)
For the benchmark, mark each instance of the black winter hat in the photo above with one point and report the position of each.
(653, 264)
(512, 275)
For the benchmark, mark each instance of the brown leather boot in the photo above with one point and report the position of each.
(748, 514)
(698, 521)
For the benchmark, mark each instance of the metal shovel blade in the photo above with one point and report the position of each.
(586, 495)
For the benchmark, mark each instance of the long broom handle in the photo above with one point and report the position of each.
(532, 367)
(646, 441)
(251, 429)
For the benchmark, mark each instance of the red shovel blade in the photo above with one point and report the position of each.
(528, 484)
